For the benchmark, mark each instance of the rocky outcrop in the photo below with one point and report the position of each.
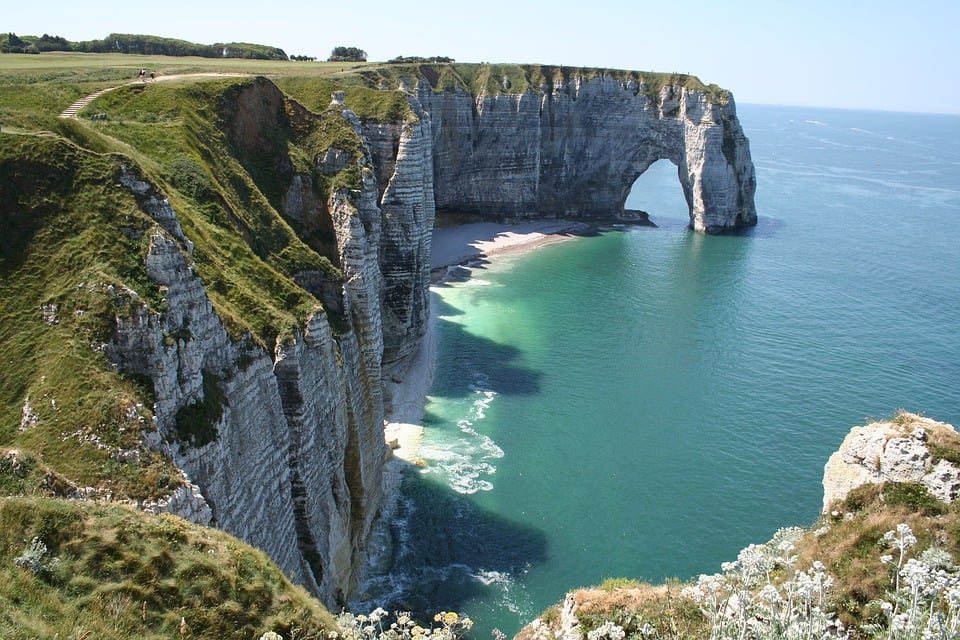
(575, 147)
(900, 450)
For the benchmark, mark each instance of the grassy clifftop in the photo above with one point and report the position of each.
(71, 256)
(73, 242)
(83, 570)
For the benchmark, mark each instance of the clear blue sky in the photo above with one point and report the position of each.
(875, 54)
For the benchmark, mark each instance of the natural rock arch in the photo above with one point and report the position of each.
(576, 149)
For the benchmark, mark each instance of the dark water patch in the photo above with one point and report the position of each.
(451, 547)
(510, 376)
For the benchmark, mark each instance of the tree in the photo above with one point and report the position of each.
(347, 54)
(13, 44)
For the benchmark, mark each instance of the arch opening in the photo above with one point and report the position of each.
(659, 192)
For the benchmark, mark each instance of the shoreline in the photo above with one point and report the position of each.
(468, 245)
(463, 244)
(453, 245)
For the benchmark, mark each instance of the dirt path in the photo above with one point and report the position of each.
(71, 111)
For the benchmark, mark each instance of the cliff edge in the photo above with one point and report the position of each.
(890, 514)
(908, 448)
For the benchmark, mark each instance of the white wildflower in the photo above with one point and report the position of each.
(607, 631)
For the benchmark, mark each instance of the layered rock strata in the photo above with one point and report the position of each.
(294, 462)
(574, 149)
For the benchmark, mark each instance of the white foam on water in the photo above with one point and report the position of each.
(476, 282)
(467, 461)
(513, 596)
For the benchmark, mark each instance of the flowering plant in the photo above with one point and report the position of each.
(377, 625)
(925, 601)
(746, 600)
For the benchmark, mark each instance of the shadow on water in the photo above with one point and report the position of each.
(508, 377)
(450, 551)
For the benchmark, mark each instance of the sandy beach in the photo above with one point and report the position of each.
(454, 245)
(464, 243)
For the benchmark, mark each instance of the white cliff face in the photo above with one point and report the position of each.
(295, 465)
(890, 452)
(574, 149)
(241, 474)
(407, 214)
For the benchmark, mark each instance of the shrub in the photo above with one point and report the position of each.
(913, 496)
(35, 560)
(347, 54)
(196, 423)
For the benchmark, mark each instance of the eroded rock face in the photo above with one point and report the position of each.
(294, 465)
(893, 451)
(574, 149)
(402, 155)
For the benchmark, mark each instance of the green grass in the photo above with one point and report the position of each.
(34, 89)
(493, 79)
(74, 245)
(125, 574)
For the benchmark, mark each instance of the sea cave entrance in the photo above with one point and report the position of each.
(658, 192)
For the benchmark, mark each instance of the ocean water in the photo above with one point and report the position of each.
(646, 402)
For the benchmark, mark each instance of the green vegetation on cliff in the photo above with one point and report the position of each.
(86, 570)
(72, 247)
(73, 243)
(494, 79)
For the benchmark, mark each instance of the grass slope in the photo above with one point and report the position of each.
(111, 572)
(71, 257)
(73, 243)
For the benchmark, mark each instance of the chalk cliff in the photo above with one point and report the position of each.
(293, 462)
(573, 147)
(279, 433)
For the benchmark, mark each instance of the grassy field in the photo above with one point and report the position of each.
(36, 88)
(129, 65)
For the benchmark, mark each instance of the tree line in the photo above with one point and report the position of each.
(139, 44)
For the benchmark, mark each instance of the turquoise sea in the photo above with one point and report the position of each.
(646, 402)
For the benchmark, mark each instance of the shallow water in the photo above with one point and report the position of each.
(647, 402)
